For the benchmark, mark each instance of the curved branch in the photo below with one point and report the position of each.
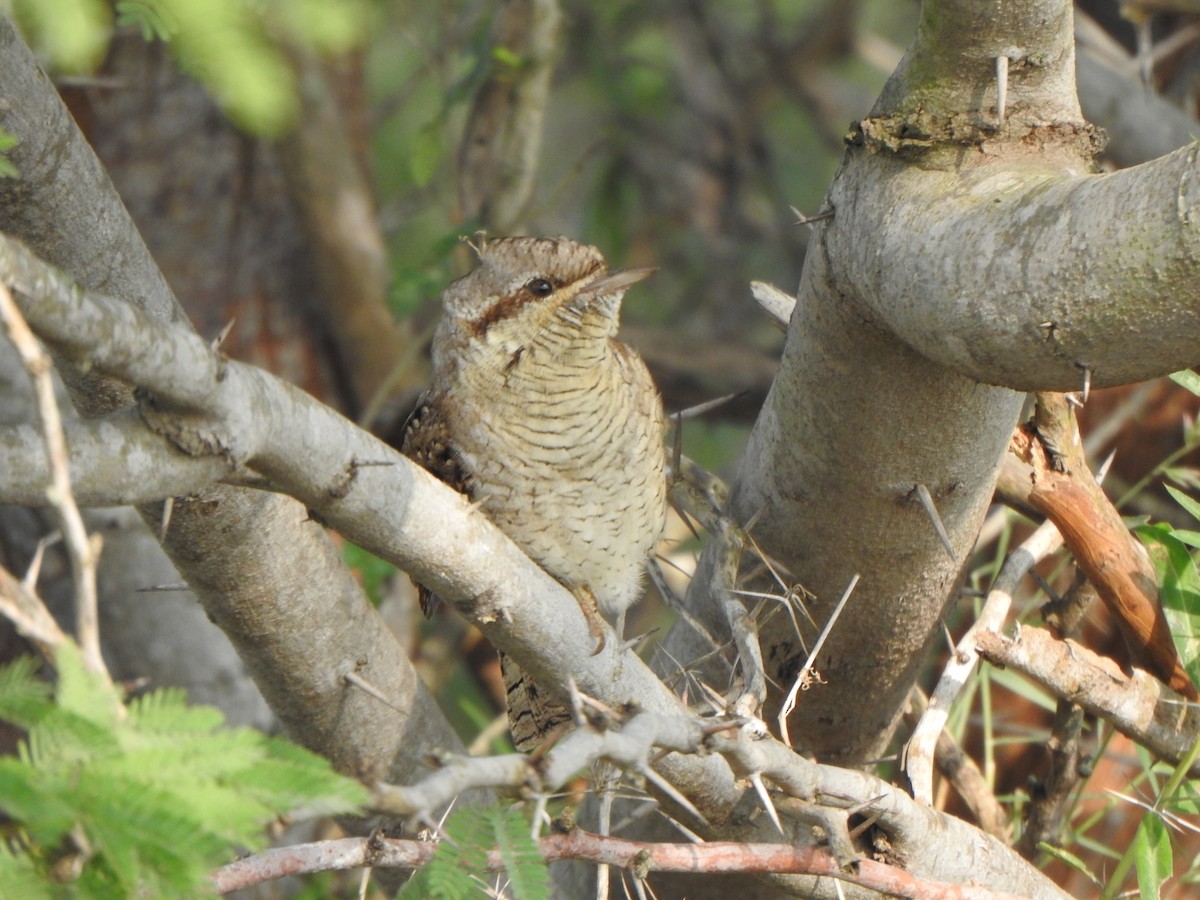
(966, 259)
(385, 503)
(1021, 274)
(264, 573)
(114, 461)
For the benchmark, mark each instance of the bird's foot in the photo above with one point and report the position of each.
(586, 598)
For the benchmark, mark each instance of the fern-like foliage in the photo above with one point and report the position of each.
(523, 861)
(458, 869)
(113, 801)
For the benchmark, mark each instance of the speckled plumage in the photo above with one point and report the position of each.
(540, 415)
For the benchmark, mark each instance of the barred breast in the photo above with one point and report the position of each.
(568, 460)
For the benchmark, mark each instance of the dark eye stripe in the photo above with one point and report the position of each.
(508, 306)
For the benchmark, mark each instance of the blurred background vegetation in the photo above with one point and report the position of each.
(306, 169)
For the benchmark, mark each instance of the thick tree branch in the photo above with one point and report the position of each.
(963, 253)
(114, 461)
(214, 407)
(1063, 267)
(264, 573)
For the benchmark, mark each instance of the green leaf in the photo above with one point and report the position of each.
(1186, 799)
(81, 692)
(1185, 476)
(150, 16)
(1191, 538)
(32, 798)
(1187, 379)
(459, 860)
(1188, 503)
(528, 876)
(7, 142)
(327, 26)
(1070, 859)
(74, 34)
(64, 739)
(507, 57)
(1152, 856)
(166, 712)
(1179, 591)
(20, 879)
(1023, 688)
(159, 795)
(372, 571)
(24, 698)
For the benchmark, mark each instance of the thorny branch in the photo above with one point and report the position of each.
(216, 408)
(640, 857)
(83, 551)
(1054, 478)
(25, 609)
(1138, 705)
(921, 745)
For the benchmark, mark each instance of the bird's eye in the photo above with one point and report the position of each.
(540, 287)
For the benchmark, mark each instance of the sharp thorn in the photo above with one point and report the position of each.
(168, 508)
(693, 412)
(1001, 87)
(802, 219)
(926, 501)
(761, 790)
(224, 333)
(669, 789)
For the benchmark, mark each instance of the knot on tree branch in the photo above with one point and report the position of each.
(917, 133)
(194, 432)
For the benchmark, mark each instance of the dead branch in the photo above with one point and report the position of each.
(1055, 480)
(1138, 705)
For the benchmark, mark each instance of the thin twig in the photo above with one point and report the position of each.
(21, 606)
(83, 551)
(802, 676)
(922, 744)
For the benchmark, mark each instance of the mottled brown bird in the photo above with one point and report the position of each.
(538, 414)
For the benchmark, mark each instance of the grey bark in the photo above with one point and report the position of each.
(209, 406)
(967, 260)
(902, 368)
(261, 569)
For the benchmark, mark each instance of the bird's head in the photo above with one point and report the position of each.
(531, 294)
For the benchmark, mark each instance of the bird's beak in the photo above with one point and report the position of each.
(613, 282)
